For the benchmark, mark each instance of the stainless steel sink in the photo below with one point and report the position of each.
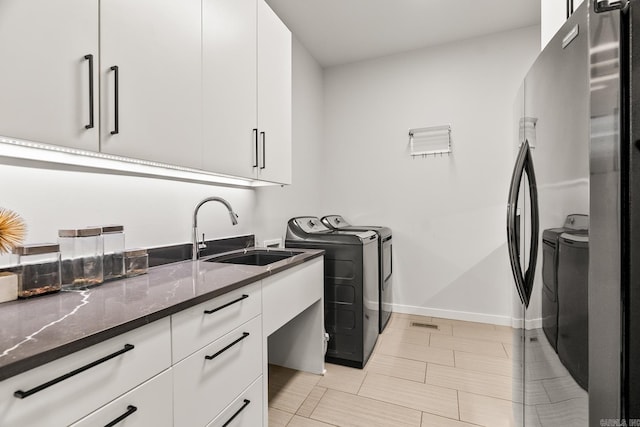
(258, 257)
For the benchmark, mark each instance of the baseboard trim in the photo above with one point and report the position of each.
(453, 314)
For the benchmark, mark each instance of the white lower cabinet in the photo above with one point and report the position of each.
(195, 327)
(245, 411)
(149, 404)
(203, 366)
(287, 294)
(131, 359)
(206, 382)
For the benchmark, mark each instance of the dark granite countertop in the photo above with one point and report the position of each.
(42, 329)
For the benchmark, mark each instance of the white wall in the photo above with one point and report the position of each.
(158, 212)
(276, 205)
(447, 213)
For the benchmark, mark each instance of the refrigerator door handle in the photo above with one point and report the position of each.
(529, 274)
(524, 280)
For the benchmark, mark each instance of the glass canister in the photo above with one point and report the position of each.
(113, 251)
(136, 262)
(38, 269)
(81, 253)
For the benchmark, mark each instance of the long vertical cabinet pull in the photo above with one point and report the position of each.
(89, 57)
(264, 163)
(255, 134)
(116, 128)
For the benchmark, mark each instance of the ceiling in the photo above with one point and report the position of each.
(341, 31)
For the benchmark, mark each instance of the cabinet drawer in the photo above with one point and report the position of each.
(73, 398)
(149, 404)
(192, 329)
(245, 411)
(289, 293)
(203, 388)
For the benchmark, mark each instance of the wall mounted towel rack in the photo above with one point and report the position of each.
(430, 141)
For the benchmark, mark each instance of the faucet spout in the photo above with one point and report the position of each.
(232, 215)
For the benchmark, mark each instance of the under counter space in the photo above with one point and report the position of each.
(43, 329)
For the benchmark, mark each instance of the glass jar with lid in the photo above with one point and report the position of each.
(38, 269)
(113, 251)
(82, 257)
(136, 262)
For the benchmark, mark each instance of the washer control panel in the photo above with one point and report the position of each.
(310, 224)
(336, 221)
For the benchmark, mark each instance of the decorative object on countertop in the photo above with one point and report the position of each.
(136, 262)
(12, 230)
(38, 268)
(113, 252)
(430, 141)
(8, 286)
(82, 257)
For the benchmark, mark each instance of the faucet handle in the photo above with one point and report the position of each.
(203, 244)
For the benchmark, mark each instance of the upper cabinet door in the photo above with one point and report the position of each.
(274, 97)
(229, 87)
(150, 73)
(553, 14)
(45, 87)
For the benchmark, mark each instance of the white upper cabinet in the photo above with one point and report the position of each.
(229, 87)
(204, 84)
(553, 13)
(247, 90)
(156, 47)
(274, 97)
(45, 90)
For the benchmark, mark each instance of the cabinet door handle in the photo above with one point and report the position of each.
(255, 133)
(246, 403)
(116, 128)
(89, 57)
(218, 353)
(226, 305)
(130, 410)
(264, 164)
(22, 394)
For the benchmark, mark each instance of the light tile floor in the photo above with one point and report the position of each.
(460, 374)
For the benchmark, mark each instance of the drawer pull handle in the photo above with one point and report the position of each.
(246, 403)
(22, 394)
(130, 410)
(226, 305)
(214, 355)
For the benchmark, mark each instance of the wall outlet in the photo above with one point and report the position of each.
(272, 243)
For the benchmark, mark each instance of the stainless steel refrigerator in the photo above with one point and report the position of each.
(573, 224)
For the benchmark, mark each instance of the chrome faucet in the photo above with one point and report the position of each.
(232, 215)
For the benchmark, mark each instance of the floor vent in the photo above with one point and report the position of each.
(533, 339)
(424, 325)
